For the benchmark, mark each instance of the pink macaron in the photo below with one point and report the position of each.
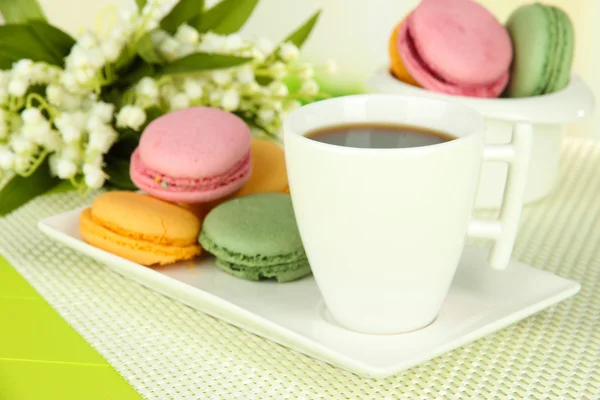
(456, 47)
(195, 155)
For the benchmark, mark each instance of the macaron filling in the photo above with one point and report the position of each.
(154, 179)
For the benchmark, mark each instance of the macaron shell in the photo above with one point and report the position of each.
(534, 38)
(397, 67)
(429, 80)
(269, 173)
(197, 142)
(460, 41)
(142, 217)
(565, 52)
(138, 251)
(259, 229)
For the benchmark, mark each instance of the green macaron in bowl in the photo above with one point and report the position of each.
(543, 46)
(256, 238)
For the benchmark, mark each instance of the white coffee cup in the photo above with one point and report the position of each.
(384, 229)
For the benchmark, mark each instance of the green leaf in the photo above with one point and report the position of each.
(151, 114)
(140, 4)
(19, 190)
(56, 41)
(299, 36)
(184, 11)
(37, 41)
(200, 62)
(227, 17)
(19, 11)
(118, 172)
(145, 48)
(62, 187)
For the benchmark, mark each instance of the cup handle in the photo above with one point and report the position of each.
(503, 231)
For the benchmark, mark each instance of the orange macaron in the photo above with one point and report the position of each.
(396, 64)
(141, 228)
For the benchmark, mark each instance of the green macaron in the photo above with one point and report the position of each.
(543, 45)
(256, 237)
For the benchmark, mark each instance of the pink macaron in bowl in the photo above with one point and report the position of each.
(195, 155)
(456, 47)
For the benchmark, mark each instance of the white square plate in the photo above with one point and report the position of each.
(480, 301)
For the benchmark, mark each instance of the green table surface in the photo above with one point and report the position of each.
(42, 357)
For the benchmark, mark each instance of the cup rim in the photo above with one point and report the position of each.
(289, 131)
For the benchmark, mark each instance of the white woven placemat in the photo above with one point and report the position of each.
(169, 351)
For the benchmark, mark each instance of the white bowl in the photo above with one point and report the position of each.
(548, 114)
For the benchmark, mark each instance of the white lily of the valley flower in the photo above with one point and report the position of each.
(291, 105)
(94, 177)
(128, 14)
(278, 70)
(22, 163)
(37, 133)
(215, 96)
(192, 88)
(69, 82)
(169, 48)
(96, 57)
(17, 87)
(306, 71)
(51, 140)
(289, 52)
(95, 123)
(147, 87)
(102, 138)
(23, 68)
(233, 42)
(212, 43)
(179, 101)
(245, 74)
(22, 145)
(70, 126)
(230, 100)
(266, 116)
(131, 117)
(278, 89)
(84, 75)
(221, 77)
(7, 158)
(65, 168)
(309, 87)
(71, 152)
(158, 36)
(87, 40)
(32, 116)
(265, 45)
(111, 49)
(185, 49)
(103, 110)
(187, 34)
(54, 94)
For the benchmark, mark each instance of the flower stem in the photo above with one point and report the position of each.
(109, 12)
(43, 104)
(35, 165)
